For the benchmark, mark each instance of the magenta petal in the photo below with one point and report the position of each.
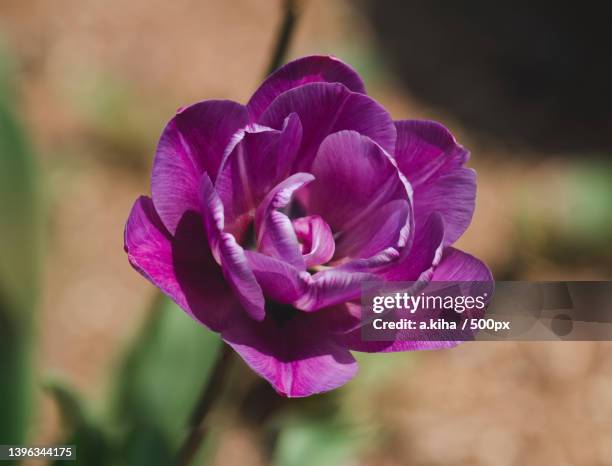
(342, 318)
(316, 238)
(454, 196)
(388, 226)
(257, 160)
(182, 267)
(279, 280)
(426, 150)
(326, 108)
(192, 143)
(298, 357)
(373, 264)
(455, 266)
(458, 266)
(356, 180)
(284, 283)
(430, 158)
(331, 287)
(230, 254)
(316, 68)
(275, 234)
(424, 254)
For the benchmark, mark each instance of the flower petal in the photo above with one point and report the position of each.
(279, 280)
(284, 283)
(192, 143)
(182, 267)
(426, 150)
(316, 238)
(355, 179)
(259, 159)
(455, 266)
(229, 253)
(388, 226)
(424, 254)
(326, 108)
(275, 234)
(315, 68)
(454, 196)
(459, 266)
(331, 287)
(298, 357)
(430, 158)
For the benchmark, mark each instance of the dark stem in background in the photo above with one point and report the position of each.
(284, 35)
(216, 381)
(212, 389)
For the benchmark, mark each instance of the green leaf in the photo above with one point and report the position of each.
(16, 378)
(160, 381)
(321, 443)
(20, 227)
(92, 445)
(20, 251)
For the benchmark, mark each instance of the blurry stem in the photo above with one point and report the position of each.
(212, 389)
(284, 35)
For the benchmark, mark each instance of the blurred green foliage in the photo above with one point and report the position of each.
(20, 211)
(324, 443)
(20, 264)
(572, 231)
(160, 381)
(590, 212)
(160, 377)
(92, 444)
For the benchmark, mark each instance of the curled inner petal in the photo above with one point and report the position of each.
(275, 234)
(229, 254)
(257, 159)
(192, 143)
(361, 194)
(316, 239)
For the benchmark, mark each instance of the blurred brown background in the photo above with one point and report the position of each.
(97, 82)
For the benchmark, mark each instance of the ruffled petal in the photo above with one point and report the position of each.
(361, 194)
(315, 68)
(182, 267)
(454, 266)
(430, 158)
(286, 284)
(275, 234)
(316, 238)
(386, 227)
(426, 150)
(298, 356)
(425, 253)
(331, 287)
(373, 264)
(453, 195)
(257, 159)
(279, 280)
(229, 254)
(459, 266)
(192, 143)
(324, 109)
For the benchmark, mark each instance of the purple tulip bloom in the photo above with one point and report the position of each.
(265, 219)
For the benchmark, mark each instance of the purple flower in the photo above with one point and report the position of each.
(265, 219)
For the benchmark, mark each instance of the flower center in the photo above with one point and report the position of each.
(249, 238)
(280, 312)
